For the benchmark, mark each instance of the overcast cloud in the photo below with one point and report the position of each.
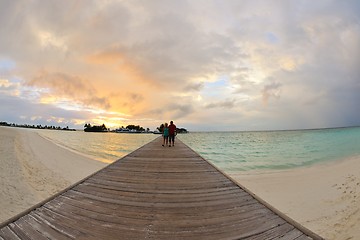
(207, 65)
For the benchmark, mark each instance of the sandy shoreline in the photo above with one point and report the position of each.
(33, 168)
(324, 198)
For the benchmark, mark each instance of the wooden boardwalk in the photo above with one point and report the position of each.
(155, 192)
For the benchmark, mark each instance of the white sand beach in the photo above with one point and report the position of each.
(33, 168)
(324, 198)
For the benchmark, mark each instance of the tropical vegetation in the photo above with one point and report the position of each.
(89, 128)
(39, 126)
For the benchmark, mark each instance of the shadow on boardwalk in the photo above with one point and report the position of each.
(154, 192)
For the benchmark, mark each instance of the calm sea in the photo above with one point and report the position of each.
(230, 151)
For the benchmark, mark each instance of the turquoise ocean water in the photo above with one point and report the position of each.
(230, 151)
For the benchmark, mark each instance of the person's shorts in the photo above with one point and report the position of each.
(166, 137)
(172, 137)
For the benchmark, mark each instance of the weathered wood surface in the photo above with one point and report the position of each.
(154, 192)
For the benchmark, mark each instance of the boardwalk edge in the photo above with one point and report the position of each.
(302, 228)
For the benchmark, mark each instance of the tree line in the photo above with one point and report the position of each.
(89, 128)
(102, 128)
(39, 126)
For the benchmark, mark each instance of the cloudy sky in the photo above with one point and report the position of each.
(206, 64)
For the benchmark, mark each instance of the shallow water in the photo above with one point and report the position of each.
(105, 147)
(239, 151)
(230, 151)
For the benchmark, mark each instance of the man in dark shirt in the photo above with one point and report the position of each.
(172, 133)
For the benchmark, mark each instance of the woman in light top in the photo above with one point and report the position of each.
(165, 135)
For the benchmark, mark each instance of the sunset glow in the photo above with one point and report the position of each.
(260, 65)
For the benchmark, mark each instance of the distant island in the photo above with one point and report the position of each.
(89, 128)
(132, 129)
(39, 126)
(128, 129)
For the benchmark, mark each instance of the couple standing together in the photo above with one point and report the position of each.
(169, 133)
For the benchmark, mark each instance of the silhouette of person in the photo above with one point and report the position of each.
(165, 134)
(172, 133)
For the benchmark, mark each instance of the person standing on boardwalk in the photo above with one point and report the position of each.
(172, 133)
(165, 134)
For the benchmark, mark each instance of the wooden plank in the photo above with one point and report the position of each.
(167, 181)
(173, 176)
(19, 231)
(27, 229)
(158, 197)
(106, 200)
(202, 191)
(46, 229)
(134, 211)
(167, 187)
(60, 223)
(7, 233)
(86, 229)
(90, 210)
(168, 191)
(273, 233)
